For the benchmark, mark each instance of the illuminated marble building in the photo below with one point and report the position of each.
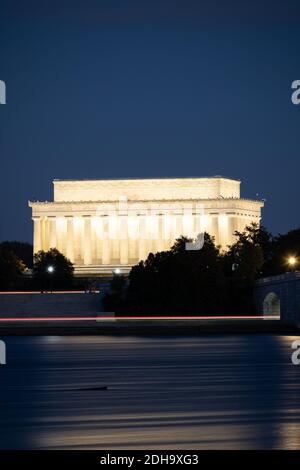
(101, 225)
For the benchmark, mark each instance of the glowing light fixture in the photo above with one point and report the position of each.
(292, 261)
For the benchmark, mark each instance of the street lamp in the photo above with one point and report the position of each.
(117, 271)
(292, 261)
(50, 270)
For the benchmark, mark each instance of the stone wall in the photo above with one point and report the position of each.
(286, 289)
(55, 304)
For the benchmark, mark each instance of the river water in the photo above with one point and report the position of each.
(139, 392)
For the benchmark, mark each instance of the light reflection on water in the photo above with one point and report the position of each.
(201, 392)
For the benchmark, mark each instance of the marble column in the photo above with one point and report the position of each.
(87, 240)
(232, 227)
(198, 223)
(61, 234)
(215, 228)
(44, 230)
(173, 235)
(178, 226)
(52, 231)
(70, 238)
(142, 238)
(161, 234)
(133, 238)
(123, 233)
(223, 230)
(99, 239)
(167, 228)
(106, 242)
(37, 234)
(206, 223)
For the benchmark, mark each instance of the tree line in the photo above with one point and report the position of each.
(201, 282)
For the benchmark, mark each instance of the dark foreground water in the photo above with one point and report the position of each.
(204, 392)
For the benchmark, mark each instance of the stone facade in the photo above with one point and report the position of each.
(103, 224)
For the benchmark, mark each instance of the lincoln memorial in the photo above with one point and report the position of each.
(101, 225)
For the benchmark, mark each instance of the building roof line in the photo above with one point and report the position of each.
(148, 178)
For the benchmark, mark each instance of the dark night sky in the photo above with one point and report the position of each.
(149, 88)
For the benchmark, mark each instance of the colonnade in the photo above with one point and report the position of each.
(126, 239)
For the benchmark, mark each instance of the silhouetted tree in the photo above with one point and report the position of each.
(61, 276)
(11, 269)
(178, 281)
(245, 257)
(23, 251)
(243, 264)
(115, 299)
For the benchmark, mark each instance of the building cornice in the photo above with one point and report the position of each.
(148, 201)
